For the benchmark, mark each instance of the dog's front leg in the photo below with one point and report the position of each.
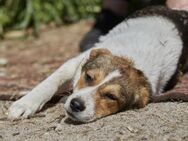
(34, 100)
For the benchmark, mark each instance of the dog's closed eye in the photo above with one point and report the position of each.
(88, 78)
(109, 96)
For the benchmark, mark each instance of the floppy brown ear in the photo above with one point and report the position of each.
(142, 97)
(141, 88)
(96, 52)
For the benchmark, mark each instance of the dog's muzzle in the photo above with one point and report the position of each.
(80, 106)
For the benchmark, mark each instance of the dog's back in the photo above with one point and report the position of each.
(156, 39)
(179, 18)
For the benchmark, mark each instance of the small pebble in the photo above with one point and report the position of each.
(24, 92)
(3, 61)
(2, 74)
(47, 133)
(58, 127)
(15, 134)
(130, 129)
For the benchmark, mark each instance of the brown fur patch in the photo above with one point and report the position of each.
(97, 67)
(96, 75)
(138, 89)
(106, 106)
(96, 52)
(81, 82)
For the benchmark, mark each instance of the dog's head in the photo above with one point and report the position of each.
(105, 85)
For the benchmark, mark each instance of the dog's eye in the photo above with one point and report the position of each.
(110, 96)
(88, 78)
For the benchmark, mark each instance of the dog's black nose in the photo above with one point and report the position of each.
(77, 105)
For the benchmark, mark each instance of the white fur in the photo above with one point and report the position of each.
(153, 43)
(86, 94)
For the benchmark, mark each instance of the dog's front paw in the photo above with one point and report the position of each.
(22, 109)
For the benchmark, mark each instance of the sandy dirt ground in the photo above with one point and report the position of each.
(27, 62)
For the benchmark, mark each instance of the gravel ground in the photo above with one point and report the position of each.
(159, 121)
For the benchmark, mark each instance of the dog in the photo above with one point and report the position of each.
(140, 58)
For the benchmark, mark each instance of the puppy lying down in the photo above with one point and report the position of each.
(137, 60)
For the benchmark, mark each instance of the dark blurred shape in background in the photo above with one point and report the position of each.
(112, 13)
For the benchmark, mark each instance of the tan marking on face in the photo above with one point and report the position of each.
(81, 82)
(96, 76)
(104, 105)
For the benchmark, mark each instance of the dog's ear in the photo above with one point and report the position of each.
(97, 52)
(142, 99)
(140, 88)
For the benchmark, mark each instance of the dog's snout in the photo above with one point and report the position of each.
(77, 105)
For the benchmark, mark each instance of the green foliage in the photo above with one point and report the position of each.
(20, 14)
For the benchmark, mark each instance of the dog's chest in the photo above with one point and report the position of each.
(152, 43)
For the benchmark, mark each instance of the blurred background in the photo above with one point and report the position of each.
(22, 14)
